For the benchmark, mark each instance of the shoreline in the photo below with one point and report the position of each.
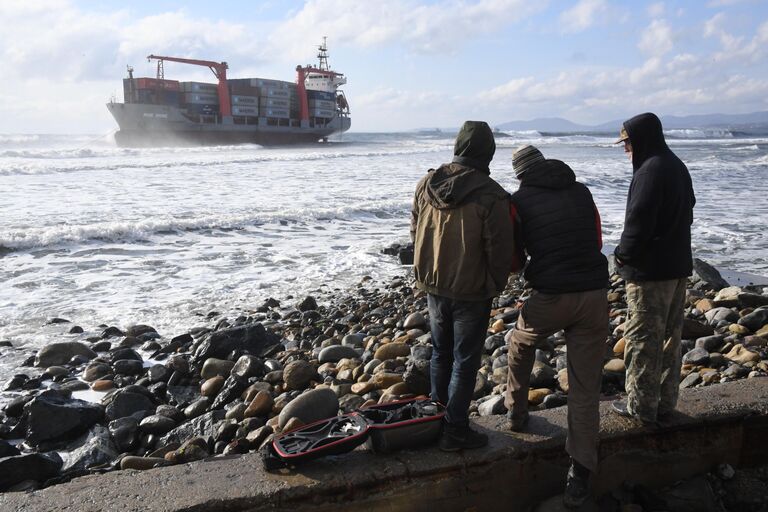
(228, 388)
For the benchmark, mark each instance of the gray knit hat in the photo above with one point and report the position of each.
(525, 158)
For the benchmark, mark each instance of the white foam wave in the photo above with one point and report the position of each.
(700, 133)
(18, 138)
(142, 230)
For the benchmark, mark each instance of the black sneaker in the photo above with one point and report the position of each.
(455, 439)
(576, 486)
(517, 423)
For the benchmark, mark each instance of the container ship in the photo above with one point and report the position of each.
(159, 112)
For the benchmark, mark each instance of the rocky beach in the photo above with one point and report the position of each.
(115, 397)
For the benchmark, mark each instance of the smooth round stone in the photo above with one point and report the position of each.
(615, 366)
(554, 400)
(335, 353)
(542, 375)
(178, 363)
(197, 408)
(494, 405)
(250, 393)
(562, 379)
(141, 463)
(102, 385)
(236, 412)
(128, 367)
(313, 405)
(298, 374)
(159, 373)
(353, 340)
(171, 412)
(618, 347)
(740, 354)
(738, 329)
(261, 405)
(361, 388)
(391, 351)
(414, 321)
(56, 354)
(690, 380)
(101, 346)
(697, 356)
(248, 366)
(157, 424)
(397, 389)
(212, 386)
(383, 380)
(497, 326)
(755, 341)
(213, 367)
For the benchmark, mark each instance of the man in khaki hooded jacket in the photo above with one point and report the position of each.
(463, 246)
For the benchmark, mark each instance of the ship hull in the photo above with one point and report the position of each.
(143, 125)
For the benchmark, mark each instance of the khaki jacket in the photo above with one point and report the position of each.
(462, 233)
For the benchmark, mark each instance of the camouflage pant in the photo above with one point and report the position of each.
(652, 354)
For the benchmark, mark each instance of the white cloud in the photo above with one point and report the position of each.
(425, 28)
(656, 10)
(582, 15)
(657, 38)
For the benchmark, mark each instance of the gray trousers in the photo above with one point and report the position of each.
(652, 351)
(584, 317)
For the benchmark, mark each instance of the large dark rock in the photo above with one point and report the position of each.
(707, 276)
(297, 374)
(126, 404)
(335, 353)
(124, 353)
(693, 329)
(202, 426)
(755, 320)
(128, 367)
(232, 389)
(125, 433)
(7, 449)
(697, 356)
(416, 376)
(93, 449)
(60, 353)
(137, 330)
(157, 424)
(248, 366)
(52, 417)
(33, 466)
(251, 338)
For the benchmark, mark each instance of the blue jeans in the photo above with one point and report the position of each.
(458, 333)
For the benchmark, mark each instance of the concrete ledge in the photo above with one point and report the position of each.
(722, 423)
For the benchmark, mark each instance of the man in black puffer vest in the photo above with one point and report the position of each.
(557, 224)
(654, 258)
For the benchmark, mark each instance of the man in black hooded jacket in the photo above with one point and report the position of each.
(654, 258)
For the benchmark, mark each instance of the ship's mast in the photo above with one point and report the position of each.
(322, 55)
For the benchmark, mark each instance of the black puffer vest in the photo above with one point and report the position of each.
(559, 231)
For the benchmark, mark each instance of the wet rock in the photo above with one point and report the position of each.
(415, 321)
(159, 373)
(128, 367)
(310, 406)
(139, 330)
(74, 385)
(298, 374)
(308, 304)
(335, 353)
(353, 340)
(124, 353)
(250, 338)
(708, 275)
(16, 382)
(203, 426)
(110, 332)
(697, 356)
(93, 449)
(216, 367)
(157, 424)
(95, 371)
(178, 363)
(125, 404)
(232, 389)
(235, 411)
(34, 466)
(76, 329)
(197, 407)
(125, 433)
(248, 366)
(61, 353)
(102, 385)
(710, 343)
(212, 386)
(51, 417)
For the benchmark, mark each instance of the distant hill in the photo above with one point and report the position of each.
(752, 122)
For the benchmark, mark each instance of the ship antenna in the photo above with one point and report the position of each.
(322, 54)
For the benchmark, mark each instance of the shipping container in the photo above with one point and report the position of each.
(320, 112)
(274, 102)
(282, 113)
(199, 87)
(271, 84)
(154, 83)
(245, 111)
(270, 92)
(245, 100)
(201, 99)
(243, 90)
(322, 104)
(202, 109)
(321, 95)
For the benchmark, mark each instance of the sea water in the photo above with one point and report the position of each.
(103, 235)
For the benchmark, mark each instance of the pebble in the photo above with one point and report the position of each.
(212, 386)
(391, 351)
(141, 463)
(536, 396)
(261, 405)
(298, 374)
(213, 367)
(615, 365)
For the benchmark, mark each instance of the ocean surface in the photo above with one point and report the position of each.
(102, 235)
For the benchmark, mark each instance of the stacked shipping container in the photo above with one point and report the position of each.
(250, 97)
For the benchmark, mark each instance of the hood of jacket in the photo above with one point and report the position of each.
(475, 146)
(549, 174)
(450, 185)
(646, 136)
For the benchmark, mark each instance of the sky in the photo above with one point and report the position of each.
(409, 63)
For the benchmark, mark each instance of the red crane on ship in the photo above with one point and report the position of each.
(219, 70)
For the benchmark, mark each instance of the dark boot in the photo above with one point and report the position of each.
(517, 423)
(576, 485)
(461, 438)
